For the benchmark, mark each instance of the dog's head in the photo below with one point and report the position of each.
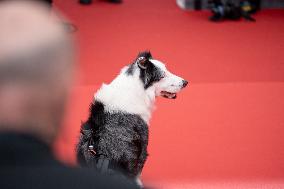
(155, 75)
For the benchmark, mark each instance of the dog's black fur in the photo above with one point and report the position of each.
(120, 137)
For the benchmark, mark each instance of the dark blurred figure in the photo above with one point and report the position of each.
(36, 71)
(232, 10)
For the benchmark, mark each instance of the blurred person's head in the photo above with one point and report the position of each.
(36, 66)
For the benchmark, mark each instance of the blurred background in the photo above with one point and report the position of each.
(227, 127)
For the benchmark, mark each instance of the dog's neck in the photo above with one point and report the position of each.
(126, 94)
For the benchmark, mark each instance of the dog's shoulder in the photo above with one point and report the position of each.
(96, 116)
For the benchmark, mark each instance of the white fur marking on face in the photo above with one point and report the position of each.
(170, 83)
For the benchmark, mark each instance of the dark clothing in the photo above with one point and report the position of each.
(27, 163)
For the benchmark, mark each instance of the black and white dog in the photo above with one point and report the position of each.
(115, 136)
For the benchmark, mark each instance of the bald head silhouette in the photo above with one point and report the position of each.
(36, 69)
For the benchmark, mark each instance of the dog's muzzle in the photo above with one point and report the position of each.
(170, 95)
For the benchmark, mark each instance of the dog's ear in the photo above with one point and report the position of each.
(145, 54)
(143, 59)
(142, 62)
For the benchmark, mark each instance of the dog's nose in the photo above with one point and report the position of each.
(184, 83)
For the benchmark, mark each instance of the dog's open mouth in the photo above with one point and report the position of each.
(168, 95)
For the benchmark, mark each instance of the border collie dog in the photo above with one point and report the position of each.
(115, 136)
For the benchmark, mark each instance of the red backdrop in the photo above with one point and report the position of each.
(227, 125)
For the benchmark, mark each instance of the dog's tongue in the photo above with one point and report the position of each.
(168, 95)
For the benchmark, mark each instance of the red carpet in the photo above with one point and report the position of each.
(227, 125)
